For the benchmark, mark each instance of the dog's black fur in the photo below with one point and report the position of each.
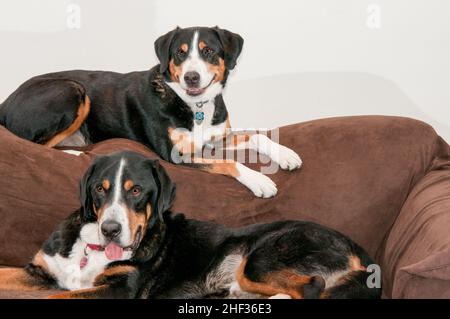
(184, 258)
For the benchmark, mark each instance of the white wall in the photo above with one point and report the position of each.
(302, 59)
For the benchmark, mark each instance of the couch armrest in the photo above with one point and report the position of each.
(416, 257)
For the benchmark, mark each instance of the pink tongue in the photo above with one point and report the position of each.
(113, 251)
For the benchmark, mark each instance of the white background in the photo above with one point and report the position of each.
(302, 59)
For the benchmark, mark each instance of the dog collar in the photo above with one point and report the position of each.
(94, 247)
(199, 115)
(84, 259)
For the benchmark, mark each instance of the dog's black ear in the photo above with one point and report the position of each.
(87, 204)
(166, 189)
(162, 49)
(232, 46)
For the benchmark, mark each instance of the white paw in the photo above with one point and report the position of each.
(235, 289)
(72, 280)
(280, 296)
(286, 158)
(72, 152)
(259, 184)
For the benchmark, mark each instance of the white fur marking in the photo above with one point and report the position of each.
(285, 157)
(67, 271)
(72, 152)
(116, 211)
(259, 184)
(280, 296)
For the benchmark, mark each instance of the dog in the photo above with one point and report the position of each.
(176, 108)
(124, 242)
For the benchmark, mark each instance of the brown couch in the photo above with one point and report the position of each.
(383, 181)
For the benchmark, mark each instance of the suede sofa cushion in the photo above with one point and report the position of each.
(357, 174)
(416, 261)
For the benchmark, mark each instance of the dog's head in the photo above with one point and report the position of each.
(196, 61)
(125, 193)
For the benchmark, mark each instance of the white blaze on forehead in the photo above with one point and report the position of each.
(118, 181)
(195, 63)
(194, 46)
(117, 211)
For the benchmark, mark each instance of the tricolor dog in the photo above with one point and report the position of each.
(124, 242)
(176, 108)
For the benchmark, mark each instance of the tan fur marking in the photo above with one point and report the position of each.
(182, 141)
(184, 47)
(228, 123)
(99, 212)
(218, 70)
(280, 282)
(223, 167)
(135, 220)
(89, 293)
(128, 184)
(83, 112)
(355, 263)
(175, 71)
(16, 279)
(106, 184)
(148, 211)
(239, 139)
(228, 169)
(39, 260)
(201, 45)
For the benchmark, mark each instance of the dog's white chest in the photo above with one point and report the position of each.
(83, 265)
(203, 132)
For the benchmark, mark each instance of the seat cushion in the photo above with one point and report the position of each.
(357, 173)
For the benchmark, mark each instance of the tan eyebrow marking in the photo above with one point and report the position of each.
(128, 184)
(201, 45)
(106, 184)
(184, 47)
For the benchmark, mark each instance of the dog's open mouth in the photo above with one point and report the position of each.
(199, 91)
(113, 251)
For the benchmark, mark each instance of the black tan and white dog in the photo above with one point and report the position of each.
(124, 242)
(177, 103)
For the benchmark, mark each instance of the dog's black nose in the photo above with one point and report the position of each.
(192, 78)
(111, 229)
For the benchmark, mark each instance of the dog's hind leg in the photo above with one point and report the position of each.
(275, 282)
(46, 110)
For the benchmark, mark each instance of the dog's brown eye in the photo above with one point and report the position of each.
(181, 53)
(100, 189)
(136, 190)
(207, 51)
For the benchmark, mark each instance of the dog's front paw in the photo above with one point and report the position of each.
(259, 184)
(286, 158)
(283, 156)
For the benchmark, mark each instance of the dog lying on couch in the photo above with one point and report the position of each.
(175, 109)
(125, 243)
